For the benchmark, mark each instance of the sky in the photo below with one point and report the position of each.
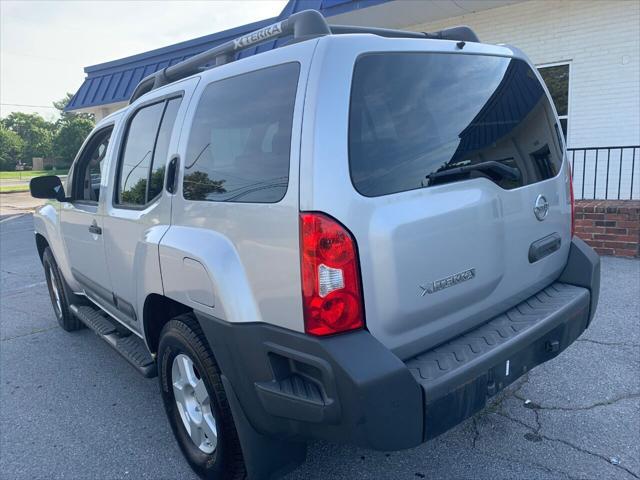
(45, 45)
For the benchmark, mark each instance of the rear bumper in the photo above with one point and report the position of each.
(459, 376)
(350, 388)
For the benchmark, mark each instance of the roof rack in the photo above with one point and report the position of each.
(303, 25)
(463, 34)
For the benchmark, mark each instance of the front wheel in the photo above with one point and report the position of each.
(59, 293)
(195, 401)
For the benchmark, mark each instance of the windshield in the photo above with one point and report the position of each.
(423, 119)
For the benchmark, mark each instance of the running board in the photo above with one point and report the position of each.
(131, 347)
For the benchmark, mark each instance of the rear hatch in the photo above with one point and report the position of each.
(458, 159)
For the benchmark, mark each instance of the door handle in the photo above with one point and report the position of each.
(172, 174)
(94, 228)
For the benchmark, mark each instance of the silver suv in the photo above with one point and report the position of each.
(359, 236)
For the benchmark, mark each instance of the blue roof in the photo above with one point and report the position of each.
(115, 81)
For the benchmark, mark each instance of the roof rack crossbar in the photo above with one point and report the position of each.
(308, 23)
(462, 33)
(382, 32)
(303, 25)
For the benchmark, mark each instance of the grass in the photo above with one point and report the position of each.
(14, 188)
(27, 174)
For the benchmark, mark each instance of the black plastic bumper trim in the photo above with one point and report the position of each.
(369, 397)
(583, 270)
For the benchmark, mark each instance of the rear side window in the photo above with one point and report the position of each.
(144, 155)
(240, 141)
(156, 178)
(423, 119)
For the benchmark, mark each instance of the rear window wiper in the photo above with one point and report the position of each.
(490, 166)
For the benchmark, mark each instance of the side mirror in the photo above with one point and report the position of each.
(49, 187)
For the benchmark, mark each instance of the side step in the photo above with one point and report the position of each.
(131, 347)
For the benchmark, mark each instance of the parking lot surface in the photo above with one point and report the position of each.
(72, 408)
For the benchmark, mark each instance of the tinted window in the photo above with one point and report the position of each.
(239, 146)
(145, 153)
(557, 80)
(425, 119)
(136, 158)
(162, 148)
(88, 171)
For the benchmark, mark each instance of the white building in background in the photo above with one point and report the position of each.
(588, 52)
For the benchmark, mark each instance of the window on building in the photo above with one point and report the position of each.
(238, 149)
(557, 79)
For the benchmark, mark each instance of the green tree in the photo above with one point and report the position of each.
(36, 134)
(69, 137)
(61, 104)
(71, 130)
(11, 146)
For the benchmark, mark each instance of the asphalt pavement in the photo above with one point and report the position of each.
(72, 408)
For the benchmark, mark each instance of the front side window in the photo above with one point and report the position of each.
(239, 146)
(423, 119)
(144, 155)
(88, 171)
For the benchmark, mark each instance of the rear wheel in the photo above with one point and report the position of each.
(59, 293)
(196, 403)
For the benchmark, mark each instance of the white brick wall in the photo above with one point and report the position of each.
(601, 41)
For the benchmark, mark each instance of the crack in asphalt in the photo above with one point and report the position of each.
(497, 408)
(577, 448)
(29, 275)
(535, 465)
(8, 272)
(476, 432)
(602, 403)
(34, 332)
(17, 291)
(609, 344)
(538, 466)
(544, 467)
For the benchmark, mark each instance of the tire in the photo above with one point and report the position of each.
(59, 293)
(181, 341)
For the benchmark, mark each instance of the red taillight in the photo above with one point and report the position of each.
(331, 295)
(573, 202)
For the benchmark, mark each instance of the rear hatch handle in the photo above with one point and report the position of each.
(543, 247)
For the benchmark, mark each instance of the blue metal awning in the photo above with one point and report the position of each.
(114, 82)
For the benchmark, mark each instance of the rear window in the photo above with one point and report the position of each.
(423, 119)
(240, 141)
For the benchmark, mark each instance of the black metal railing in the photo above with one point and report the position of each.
(605, 172)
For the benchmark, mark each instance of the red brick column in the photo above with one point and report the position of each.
(611, 227)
